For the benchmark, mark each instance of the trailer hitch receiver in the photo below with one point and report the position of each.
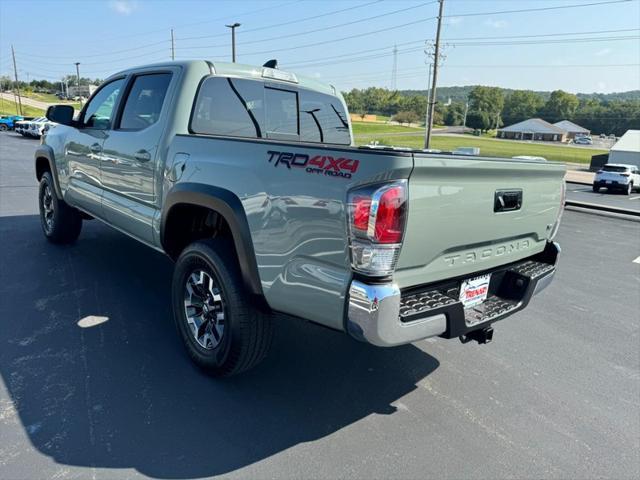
(482, 336)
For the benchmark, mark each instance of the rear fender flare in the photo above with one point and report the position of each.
(229, 206)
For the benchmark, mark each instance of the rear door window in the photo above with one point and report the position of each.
(229, 106)
(144, 102)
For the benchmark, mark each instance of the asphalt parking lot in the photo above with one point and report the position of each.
(556, 395)
(584, 193)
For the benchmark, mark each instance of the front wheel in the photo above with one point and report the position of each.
(222, 331)
(596, 188)
(60, 222)
(3, 127)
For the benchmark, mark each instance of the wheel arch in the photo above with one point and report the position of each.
(229, 207)
(44, 161)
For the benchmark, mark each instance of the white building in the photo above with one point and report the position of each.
(81, 91)
(573, 130)
(627, 149)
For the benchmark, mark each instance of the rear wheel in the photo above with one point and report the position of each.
(3, 127)
(222, 331)
(60, 222)
(596, 188)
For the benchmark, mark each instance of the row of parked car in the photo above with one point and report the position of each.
(27, 128)
(33, 128)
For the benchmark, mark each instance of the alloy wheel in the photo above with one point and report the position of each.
(204, 309)
(48, 207)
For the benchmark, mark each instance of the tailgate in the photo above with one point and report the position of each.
(452, 229)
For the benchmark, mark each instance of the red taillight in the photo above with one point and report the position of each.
(361, 208)
(376, 225)
(390, 216)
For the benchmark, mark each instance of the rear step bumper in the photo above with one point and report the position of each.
(383, 315)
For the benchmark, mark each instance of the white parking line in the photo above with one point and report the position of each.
(637, 260)
(634, 198)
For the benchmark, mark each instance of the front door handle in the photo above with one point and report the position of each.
(142, 156)
(96, 148)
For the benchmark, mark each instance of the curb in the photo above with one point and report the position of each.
(602, 208)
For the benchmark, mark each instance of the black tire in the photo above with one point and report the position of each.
(3, 127)
(629, 189)
(60, 223)
(596, 188)
(246, 333)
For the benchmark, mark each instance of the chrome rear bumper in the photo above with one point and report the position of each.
(382, 315)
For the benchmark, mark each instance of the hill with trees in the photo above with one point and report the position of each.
(491, 107)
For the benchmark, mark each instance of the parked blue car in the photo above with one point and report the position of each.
(7, 123)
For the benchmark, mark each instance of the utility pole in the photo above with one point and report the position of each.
(15, 72)
(173, 46)
(464, 119)
(436, 58)
(394, 69)
(426, 113)
(78, 82)
(233, 40)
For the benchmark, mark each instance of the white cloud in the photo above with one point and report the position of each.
(123, 7)
(490, 22)
(602, 52)
(602, 86)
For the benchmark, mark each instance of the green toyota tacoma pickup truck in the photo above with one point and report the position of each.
(248, 179)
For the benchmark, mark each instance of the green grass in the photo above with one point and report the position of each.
(368, 128)
(8, 107)
(42, 97)
(490, 147)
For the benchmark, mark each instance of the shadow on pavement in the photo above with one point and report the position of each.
(123, 394)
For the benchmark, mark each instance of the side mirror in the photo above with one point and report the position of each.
(62, 114)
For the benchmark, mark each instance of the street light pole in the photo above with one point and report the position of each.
(78, 82)
(233, 40)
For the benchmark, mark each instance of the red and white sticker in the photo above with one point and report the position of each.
(474, 291)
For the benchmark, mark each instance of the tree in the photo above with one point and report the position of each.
(561, 105)
(454, 114)
(480, 120)
(486, 99)
(405, 117)
(521, 105)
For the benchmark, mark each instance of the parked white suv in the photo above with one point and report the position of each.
(615, 176)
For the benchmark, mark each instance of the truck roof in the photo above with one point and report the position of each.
(240, 70)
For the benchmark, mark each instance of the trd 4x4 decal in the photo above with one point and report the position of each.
(320, 164)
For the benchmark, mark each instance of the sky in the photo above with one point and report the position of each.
(553, 44)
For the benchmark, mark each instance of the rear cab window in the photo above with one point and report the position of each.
(249, 108)
(615, 168)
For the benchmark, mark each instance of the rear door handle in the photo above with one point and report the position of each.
(96, 148)
(142, 156)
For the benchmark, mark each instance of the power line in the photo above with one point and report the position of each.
(415, 22)
(320, 61)
(418, 71)
(559, 7)
(114, 52)
(539, 42)
(307, 32)
(167, 50)
(299, 20)
(164, 30)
